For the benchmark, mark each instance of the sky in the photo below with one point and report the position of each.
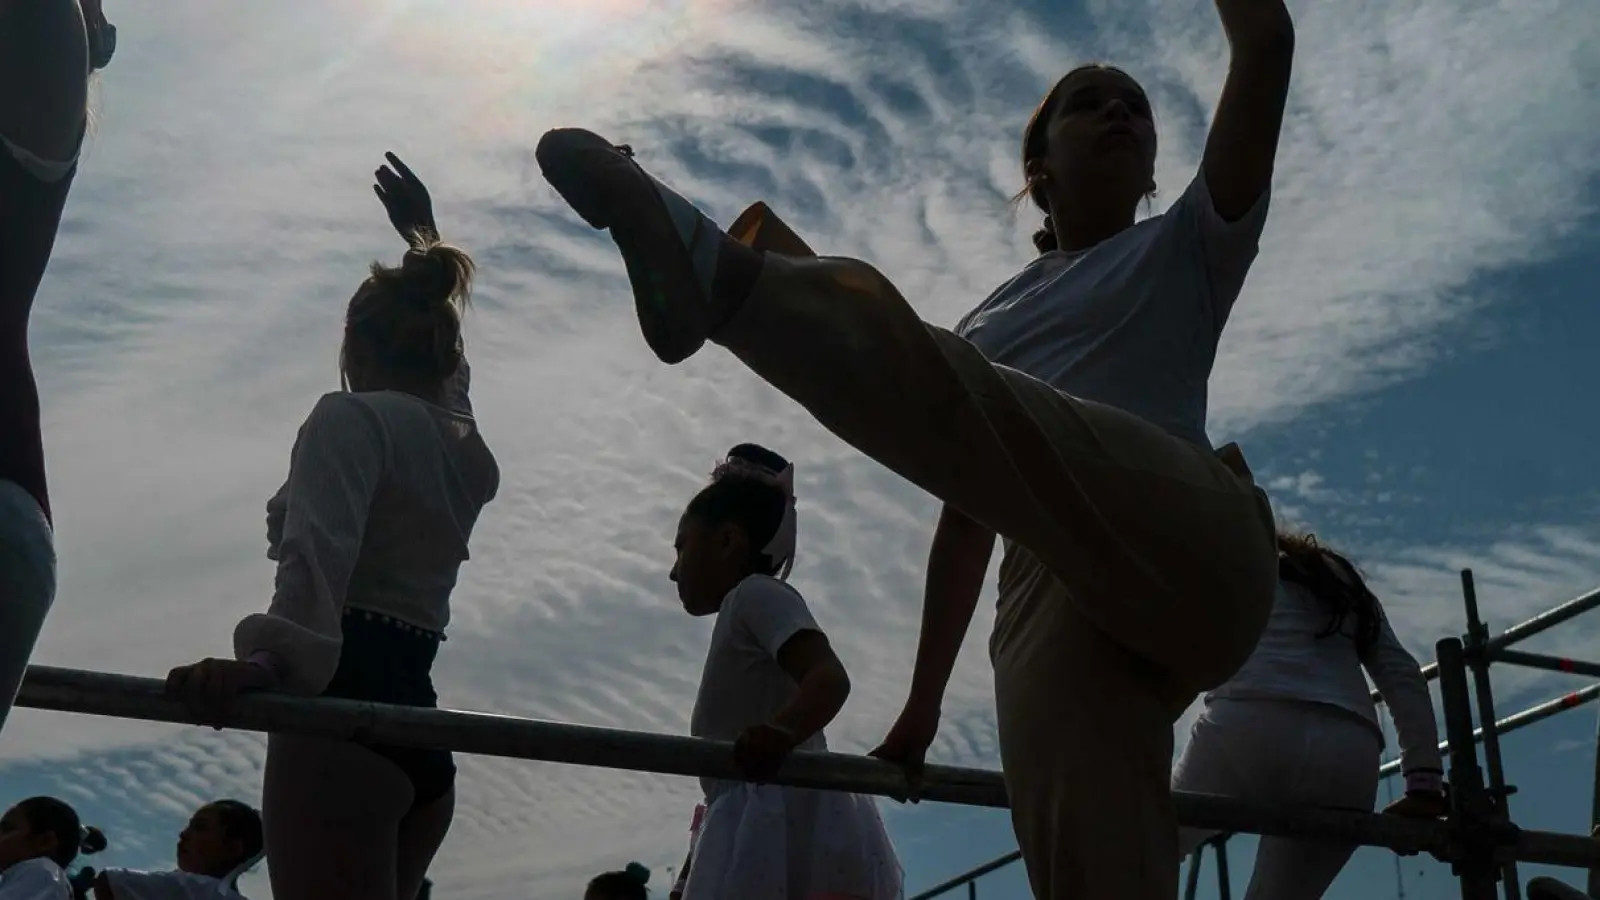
(1408, 369)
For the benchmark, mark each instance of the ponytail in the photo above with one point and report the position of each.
(407, 318)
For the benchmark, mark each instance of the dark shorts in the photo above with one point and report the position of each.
(387, 661)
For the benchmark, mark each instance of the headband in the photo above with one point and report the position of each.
(781, 548)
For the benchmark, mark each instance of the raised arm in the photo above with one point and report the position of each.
(410, 207)
(1243, 143)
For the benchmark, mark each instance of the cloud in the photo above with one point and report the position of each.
(223, 217)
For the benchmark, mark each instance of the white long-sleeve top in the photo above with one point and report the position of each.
(383, 491)
(1292, 663)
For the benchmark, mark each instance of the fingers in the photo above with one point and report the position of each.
(910, 765)
(401, 167)
(206, 688)
(388, 182)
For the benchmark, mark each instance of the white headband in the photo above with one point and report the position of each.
(781, 549)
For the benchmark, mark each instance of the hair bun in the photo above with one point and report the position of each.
(759, 456)
(429, 272)
(1045, 240)
(637, 872)
(91, 840)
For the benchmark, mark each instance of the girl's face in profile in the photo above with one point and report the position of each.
(204, 846)
(707, 563)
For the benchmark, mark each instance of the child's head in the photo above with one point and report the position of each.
(48, 828)
(627, 884)
(741, 524)
(220, 837)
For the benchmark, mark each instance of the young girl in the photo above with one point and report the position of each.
(628, 884)
(1297, 726)
(47, 50)
(771, 684)
(39, 838)
(370, 531)
(221, 842)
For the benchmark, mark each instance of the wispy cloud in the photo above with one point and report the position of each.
(223, 217)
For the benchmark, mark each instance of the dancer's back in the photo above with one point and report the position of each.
(428, 474)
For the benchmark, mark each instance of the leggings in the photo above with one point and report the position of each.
(27, 585)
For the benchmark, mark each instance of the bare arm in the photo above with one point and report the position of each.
(1243, 143)
(44, 76)
(824, 685)
(957, 564)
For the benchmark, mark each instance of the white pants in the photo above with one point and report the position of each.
(1282, 753)
(27, 585)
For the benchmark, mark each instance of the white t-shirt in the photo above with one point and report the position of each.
(382, 496)
(35, 879)
(1293, 661)
(742, 684)
(1132, 322)
(127, 884)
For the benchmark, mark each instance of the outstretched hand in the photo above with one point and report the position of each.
(906, 745)
(405, 198)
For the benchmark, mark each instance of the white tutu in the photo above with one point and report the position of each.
(764, 842)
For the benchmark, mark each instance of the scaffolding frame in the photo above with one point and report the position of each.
(1487, 804)
(1477, 837)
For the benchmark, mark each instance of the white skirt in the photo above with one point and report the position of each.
(764, 842)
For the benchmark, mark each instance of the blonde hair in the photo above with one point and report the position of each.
(406, 319)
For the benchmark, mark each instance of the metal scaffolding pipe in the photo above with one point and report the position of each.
(968, 877)
(124, 696)
(1540, 623)
(1545, 663)
(1518, 720)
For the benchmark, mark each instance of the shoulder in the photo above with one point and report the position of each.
(345, 412)
(1038, 270)
(758, 588)
(35, 874)
(762, 596)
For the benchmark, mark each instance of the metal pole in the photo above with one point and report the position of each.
(1544, 662)
(1477, 660)
(123, 696)
(1220, 846)
(1517, 633)
(1515, 721)
(1470, 806)
(972, 890)
(1594, 874)
(1191, 890)
(1546, 620)
(969, 877)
